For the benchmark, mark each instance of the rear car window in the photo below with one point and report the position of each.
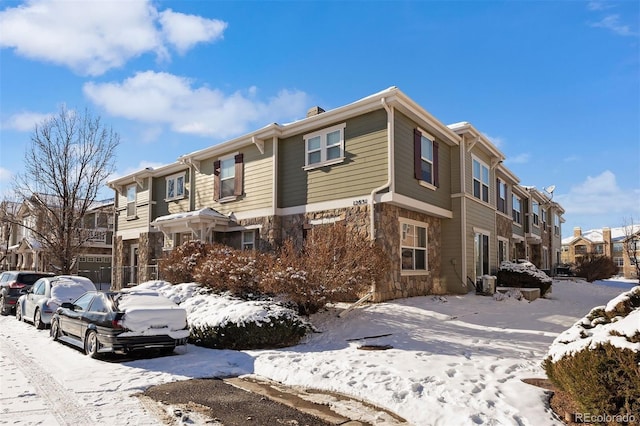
(29, 279)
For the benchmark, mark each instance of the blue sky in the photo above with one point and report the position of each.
(554, 84)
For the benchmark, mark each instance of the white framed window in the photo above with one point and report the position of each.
(556, 224)
(536, 213)
(175, 187)
(480, 180)
(413, 246)
(131, 201)
(502, 196)
(248, 240)
(227, 177)
(325, 147)
(516, 210)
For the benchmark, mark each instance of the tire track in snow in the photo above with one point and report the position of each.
(62, 402)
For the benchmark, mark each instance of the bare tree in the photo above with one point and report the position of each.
(68, 161)
(631, 243)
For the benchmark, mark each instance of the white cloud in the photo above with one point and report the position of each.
(598, 5)
(25, 121)
(601, 195)
(184, 31)
(92, 37)
(518, 159)
(496, 140)
(612, 22)
(5, 175)
(162, 98)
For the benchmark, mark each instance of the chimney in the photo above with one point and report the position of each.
(577, 232)
(606, 235)
(314, 111)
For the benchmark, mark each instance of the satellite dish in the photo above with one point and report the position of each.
(550, 189)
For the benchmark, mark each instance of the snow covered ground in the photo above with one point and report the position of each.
(455, 360)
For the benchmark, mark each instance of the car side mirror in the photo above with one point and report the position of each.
(68, 305)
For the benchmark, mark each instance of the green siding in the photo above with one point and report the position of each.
(162, 207)
(142, 209)
(364, 168)
(405, 181)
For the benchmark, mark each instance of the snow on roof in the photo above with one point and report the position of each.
(205, 212)
(597, 235)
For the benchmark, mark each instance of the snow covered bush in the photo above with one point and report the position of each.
(594, 267)
(597, 360)
(222, 321)
(524, 275)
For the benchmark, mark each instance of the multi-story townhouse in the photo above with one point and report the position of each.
(22, 250)
(383, 166)
(622, 244)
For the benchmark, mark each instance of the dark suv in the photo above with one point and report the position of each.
(12, 283)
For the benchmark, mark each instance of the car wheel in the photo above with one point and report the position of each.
(37, 320)
(18, 313)
(3, 310)
(91, 344)
(55, 330)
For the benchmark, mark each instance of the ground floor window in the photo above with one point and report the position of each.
(481, 245)
(248, 240)
(413, 246)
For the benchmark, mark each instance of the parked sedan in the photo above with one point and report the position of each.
(12, 283)
(39, 303)
(121, 322)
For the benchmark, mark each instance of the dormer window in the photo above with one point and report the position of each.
(325, 147)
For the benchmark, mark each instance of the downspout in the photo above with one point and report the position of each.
(387, 184)
(463, 210)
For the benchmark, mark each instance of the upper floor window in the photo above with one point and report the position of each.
(618, 247)
(598, 249)
(556, 224)
(536, 213)
(175, 186)
(131, 201)
(425, 157)
(502, 196)
(516, 210)
(480, 180)
(544, 218)
(324, 147)
(581, 249)
(413, 246)
(228, 176)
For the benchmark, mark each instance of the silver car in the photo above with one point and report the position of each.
(47, 294)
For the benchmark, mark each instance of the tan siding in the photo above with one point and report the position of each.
(405, 181)
(453, 272)
(162, 207)
(142, 209)
(364, 169)
(258, 182)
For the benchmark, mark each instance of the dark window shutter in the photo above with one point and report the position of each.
(237, 183)
(417, 152)
(216, 180)
(436, 168)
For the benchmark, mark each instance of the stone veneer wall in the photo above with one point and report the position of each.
(504, 227)
(397, 285)
(149, 253)
(117, 263)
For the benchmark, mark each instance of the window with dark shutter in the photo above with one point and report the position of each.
(216, 180)
(239, 169)
(425, 158)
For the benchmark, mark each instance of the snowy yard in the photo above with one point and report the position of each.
(455, 360)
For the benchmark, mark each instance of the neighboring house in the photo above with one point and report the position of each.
(21, 249)
(611, 242)
(437, 198)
